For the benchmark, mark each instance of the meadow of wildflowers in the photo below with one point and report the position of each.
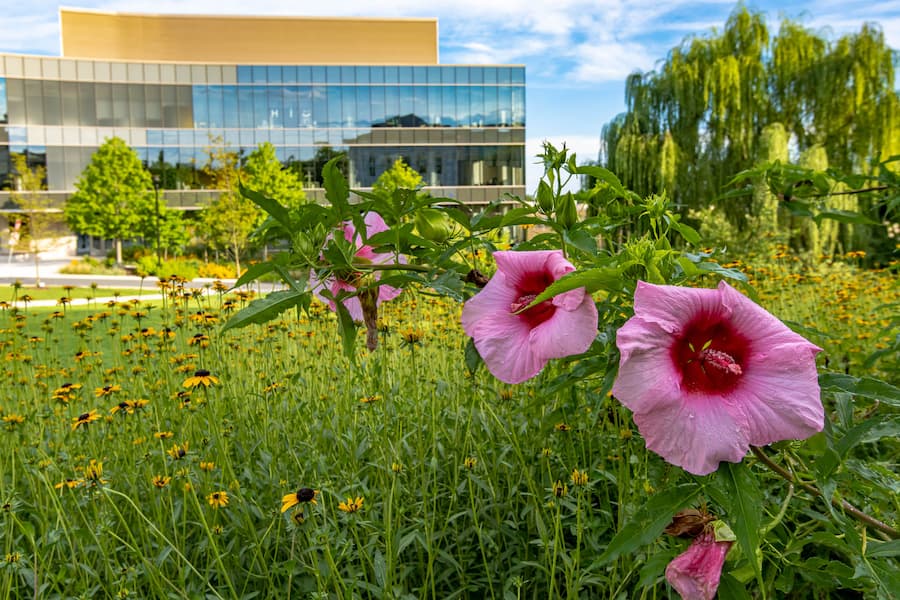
(156, 449)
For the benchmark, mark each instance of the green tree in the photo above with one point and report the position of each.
(112, 196)
(399, 176)
(41, 222)
(230, 219)
(699, 119)
(264, 173)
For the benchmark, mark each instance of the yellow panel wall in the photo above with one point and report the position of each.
(247, 40)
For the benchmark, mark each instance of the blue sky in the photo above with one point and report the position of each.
(577, 52)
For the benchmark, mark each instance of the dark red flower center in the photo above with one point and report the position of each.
(527, 289)
(711, 355)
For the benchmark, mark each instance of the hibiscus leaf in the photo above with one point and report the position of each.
(254, 272)
(650, 520)
(867, 387)
(336, 189)
(742, 500)
(266, 309)
(347, 329)
(472, 358)
(600, 278)
(270, 205)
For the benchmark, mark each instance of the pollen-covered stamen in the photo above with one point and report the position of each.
(721, 361)
(523, 301)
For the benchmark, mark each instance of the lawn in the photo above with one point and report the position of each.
(146, 454)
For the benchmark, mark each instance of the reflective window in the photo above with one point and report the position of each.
(334, 106)
(230, 108)
(216, 112)
(3, 113)
(245, 107)
(376, 74)
(348, 106)
(362, 74)
(245, 74)
(273, 74)
(69, 96)
(319, 75)
(258, 74)
(304, 74)
(348, 75)
(517, 74)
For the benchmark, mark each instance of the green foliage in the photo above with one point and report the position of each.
(399, 176)
(113, 196)
(703, 115)
(38, 223)
(262, 171)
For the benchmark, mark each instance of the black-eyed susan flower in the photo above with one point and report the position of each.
(302, 495)
(271, 387)
(161, 481)
(562, 427)
(93, 473)
(201, 377)
(218, 499)
(470, 462)
(352, 505)
(560, 489)
(163, 435)
(12, 419)
(85, 419)
(207, 466)
(579, 477)
(200, 339)
(177, 452)
(68, 484)
(107, 390)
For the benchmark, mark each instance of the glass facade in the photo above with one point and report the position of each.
(459, 126)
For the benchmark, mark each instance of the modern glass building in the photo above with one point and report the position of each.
(312, 87)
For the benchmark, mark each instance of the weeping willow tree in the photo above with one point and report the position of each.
(699, 119)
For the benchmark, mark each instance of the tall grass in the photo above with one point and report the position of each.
(469, 488)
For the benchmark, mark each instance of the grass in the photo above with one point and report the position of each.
(470, 488)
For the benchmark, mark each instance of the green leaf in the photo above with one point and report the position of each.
(266, 309)
(867, 387)
(604, 175)
(687, 232)
(875, 549)
(254, 272)
(337, 191)
(650, 520)
(472, 358)
(347, 329)
(599, 278)
(743, 502)
(844, 216)
(270, 205)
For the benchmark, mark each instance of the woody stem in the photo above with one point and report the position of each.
(842, 504)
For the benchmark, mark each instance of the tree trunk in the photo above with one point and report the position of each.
(118, 252)
(237, 262)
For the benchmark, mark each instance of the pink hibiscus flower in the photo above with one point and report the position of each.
(707, 373)
(374, 224)
(695, 572)
(515, 347)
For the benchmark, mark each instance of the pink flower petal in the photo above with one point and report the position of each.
(515, 347)
(695, 573)
(694, 434)
(709, 372)
(567, 332)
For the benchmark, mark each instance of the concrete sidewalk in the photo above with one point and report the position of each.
(22, 271)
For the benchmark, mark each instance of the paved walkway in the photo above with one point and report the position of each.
(22, 271)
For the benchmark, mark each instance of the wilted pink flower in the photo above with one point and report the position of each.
(514, 346)
(695, 572)
(707, 373)
(374, 224)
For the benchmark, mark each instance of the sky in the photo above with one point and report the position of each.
(577, 53)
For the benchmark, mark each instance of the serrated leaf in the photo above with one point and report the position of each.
(254, 272)
(337, 191)
(604, 175)
(347, 329)
(599, 278)
(650, 520)
(472, 358)
(266, 309)
(867, 387)
(875, 549)
(270, 205)
(744, 502)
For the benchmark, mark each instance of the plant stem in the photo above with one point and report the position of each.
(842, 504)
